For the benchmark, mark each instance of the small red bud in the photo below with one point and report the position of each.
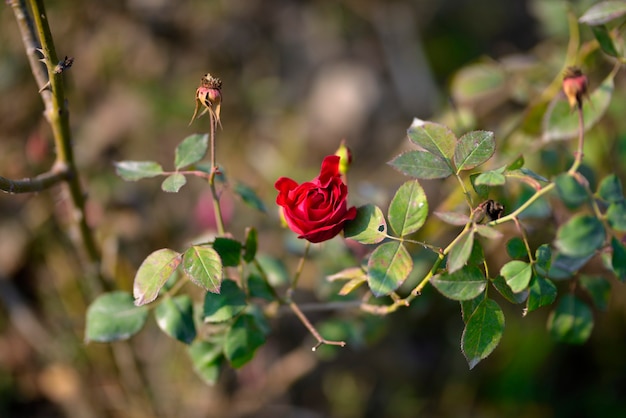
(575, 86)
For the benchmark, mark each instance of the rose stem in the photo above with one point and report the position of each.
(296, 310)
(219, 221)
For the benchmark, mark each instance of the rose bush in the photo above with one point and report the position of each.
(316, 210)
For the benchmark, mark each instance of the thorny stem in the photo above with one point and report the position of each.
(37, 38)
(217, 209)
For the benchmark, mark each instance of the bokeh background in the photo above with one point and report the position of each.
(298, 77)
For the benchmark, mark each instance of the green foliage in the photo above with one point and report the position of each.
(113, 317)
(369, 226)
(153, 273)
(388, 267)
(137, 170)
(571, 192)
(464, 284)
(175, 317)
(482, 332)
(461, 252)
(408, 209)
(581, 236)
(517, 275)
(191, 150)
(206, 358)
(392, 259)
(173, 183)
(242, 340)
(572, 320)
(230, 302)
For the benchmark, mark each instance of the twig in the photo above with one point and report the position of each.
(37, 184)
(320, 341)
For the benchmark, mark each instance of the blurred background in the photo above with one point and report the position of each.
(298, 77)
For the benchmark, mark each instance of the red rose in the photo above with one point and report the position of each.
(316, 210)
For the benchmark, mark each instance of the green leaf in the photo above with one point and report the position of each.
(618, 259)
(422, 165)
(490, 178)
(113, 317)
(203, 266)
(250, 245)
(481, 190)
(136, 170)
(473, 149)
(603, 12)
(249, 197)
(616, 215)
(259, 288)
(516, 164)
(561, 123)
(369, 226)
(516, 248)
(206, 358)
(464, 284)
(274, 269)
(488, 232)
(173, 183)
(242, 340)
(477, 256)
(563, 266)
(483, 332)
(540, 208)
(351, 285)
(175, 317)
(572, 321)
(503, 288)
(434, 138)
(153, 273)
(580, 236)
(543, 259)
(598, 288)
(191, 150)
(229, 251)
(542, 293)
(230, 302)
(476, 82)
(517, 274)
(453, 218)
(610, 189)
(469, 306)
(388, 267)
(461, 251)
(603, 36)
(408, 209)
(572, 193)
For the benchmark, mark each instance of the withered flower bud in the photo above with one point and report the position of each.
(209, 95)
(575, 86)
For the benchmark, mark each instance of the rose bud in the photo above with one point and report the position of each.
(345, 157)
(575, 86)
(209, 95)
(316, 210)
